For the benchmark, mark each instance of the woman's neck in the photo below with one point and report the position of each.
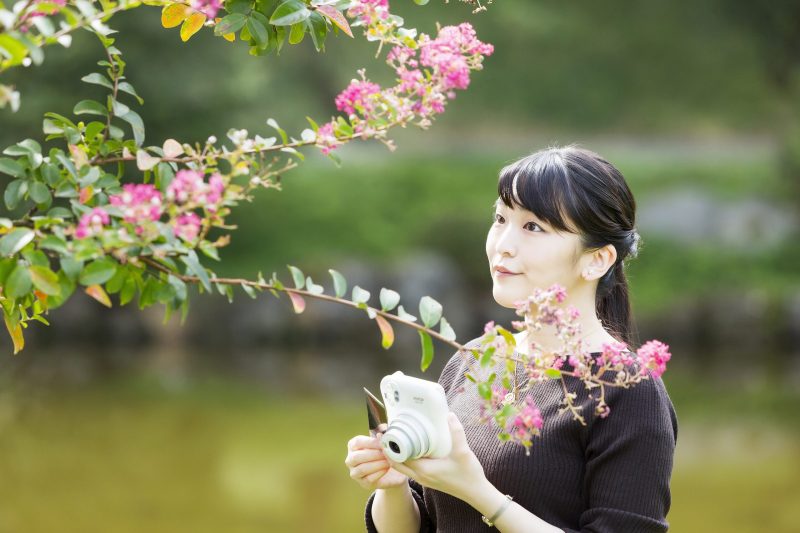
(592, 333)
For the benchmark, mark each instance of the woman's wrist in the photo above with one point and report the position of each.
(484, 497)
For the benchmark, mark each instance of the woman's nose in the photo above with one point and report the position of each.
(506, 242)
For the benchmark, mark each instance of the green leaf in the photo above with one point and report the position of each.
(553, 373)
(45, 280)
(339, 283)
(298, 276)
(97, 79)
(389, 299)
(90, 107)
(97, 272)
(446, 330)
(485, 390)
(126, 87)
(401, 313)
(15, 241)
(193, 266)
(318, 29)
(11, 167)
(18, 283)
(230, 24)
(427, 350)
(128, 291)
(51, 174)
(39, 192)
(430, 310)
(133, 118)
(289, 12)
(360, 296)
(14, 193)
(71, 267)
(296, 33)
(487, 356)
(257, 31)
(312, 287)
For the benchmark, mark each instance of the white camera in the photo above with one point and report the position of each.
(416, 412)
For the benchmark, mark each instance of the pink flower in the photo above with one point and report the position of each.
(489, 326)
(653, 356)
(207, 7)
(139, 203)
(370, 11)
(615, 353)
(189, 187)
(527, 423)
(92, 223)
(187, 226)
(358, 97)
(326, 138)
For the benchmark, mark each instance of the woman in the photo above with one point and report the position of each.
(564, 215)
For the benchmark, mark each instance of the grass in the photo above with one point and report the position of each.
(130, 456)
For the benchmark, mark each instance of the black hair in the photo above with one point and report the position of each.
(575, 190)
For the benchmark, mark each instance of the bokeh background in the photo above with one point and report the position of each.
(112, 420)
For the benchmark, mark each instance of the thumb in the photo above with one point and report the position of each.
(456, 429)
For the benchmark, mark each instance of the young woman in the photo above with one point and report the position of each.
(564, 215)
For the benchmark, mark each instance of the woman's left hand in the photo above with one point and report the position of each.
(457, 474)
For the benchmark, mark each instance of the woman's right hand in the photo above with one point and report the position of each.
(369, 467)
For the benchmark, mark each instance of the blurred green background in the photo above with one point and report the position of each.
(238, 420)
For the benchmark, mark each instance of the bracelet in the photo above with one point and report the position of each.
(490, 521)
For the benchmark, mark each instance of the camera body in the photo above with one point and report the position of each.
(416, 412)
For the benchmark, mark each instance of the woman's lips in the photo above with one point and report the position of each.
(505, 273)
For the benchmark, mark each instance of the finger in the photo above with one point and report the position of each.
(365, 469)
(363, 456)
(375, 476)
(363, 441)
(403, 469)
(456, 430)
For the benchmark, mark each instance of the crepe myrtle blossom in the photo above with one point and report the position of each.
(190, 187)
(207, 7)
(187, 226)
(526, 424)
(92, 223)
(358, 97)
(326, 139)
(139, 203)
(369, 11)
(653, 356)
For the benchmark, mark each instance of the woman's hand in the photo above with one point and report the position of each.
(369, 467)
(457, 474)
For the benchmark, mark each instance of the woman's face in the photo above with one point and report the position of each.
(536, 255)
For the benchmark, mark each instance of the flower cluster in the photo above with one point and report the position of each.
(358, 97)
(187, 226)
(544, 309)
(653, 356)
(428, 71)
(92, 223)
(139, 203)
(526, 424)
(143, 203)
(369, 12)
(207, 7)
(189, 187)
(27, 17)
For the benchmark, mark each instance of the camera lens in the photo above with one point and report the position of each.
(394, 447)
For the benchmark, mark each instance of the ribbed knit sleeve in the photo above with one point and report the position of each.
(628, 461)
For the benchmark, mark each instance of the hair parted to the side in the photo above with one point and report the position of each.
(576, 190)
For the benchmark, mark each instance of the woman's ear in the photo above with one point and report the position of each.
(598, 262)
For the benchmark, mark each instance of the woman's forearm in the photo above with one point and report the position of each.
(395, 510)
(515, 519)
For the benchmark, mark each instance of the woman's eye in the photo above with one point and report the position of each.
(533, 226)
(499, 218)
